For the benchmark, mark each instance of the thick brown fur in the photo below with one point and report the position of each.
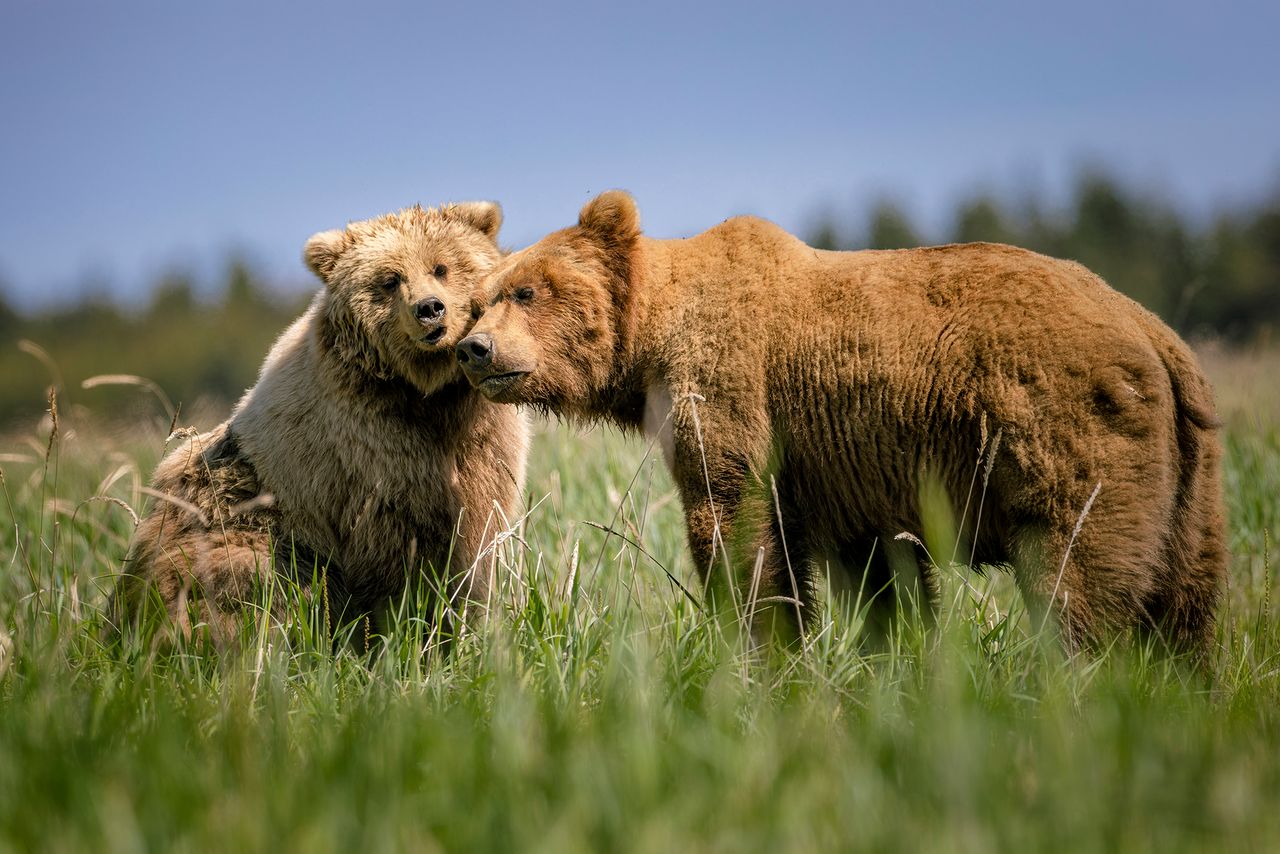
(361, 455)
(850, 379)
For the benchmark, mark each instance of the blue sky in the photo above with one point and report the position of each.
(142, 137)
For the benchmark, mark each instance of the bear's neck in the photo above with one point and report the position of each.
(426, 381)
(621, 398)
(430, 404)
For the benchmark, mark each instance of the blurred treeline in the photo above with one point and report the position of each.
(200, 345)
(1219, 279)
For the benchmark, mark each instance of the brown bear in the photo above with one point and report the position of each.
(835, 385)
(361, 455)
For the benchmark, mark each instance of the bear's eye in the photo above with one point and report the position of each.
(391, 281)
(440, 271)
(524, 294)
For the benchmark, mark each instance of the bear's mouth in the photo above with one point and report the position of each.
(435, 336)
(500, 383)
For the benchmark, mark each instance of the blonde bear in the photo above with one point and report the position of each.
(361, 456)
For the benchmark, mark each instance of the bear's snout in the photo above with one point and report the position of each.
(476, 351)
(429, 311)
(497, 378)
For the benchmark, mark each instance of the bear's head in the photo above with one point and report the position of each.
(399, 288)
(552, 313)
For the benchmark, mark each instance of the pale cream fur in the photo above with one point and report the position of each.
(360, 456)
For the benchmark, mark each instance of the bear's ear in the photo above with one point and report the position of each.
(484, 217)
(323, 251)
(612, 216)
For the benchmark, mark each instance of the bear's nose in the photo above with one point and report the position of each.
(476, 351)
(429, 309)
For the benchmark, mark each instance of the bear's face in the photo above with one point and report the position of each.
(399, 288)
(550, 313)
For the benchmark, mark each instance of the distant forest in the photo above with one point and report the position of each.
(1220, 279)
(1217, 280)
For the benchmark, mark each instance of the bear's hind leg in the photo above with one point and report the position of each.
(206, 580)
(1096, 580)
(1183, 609)
(887, 577)
(1182, 613)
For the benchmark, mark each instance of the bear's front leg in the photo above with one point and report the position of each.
(722, 469)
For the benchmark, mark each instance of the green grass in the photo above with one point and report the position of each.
(600, 709)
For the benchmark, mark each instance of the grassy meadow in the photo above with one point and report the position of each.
(601, 708)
